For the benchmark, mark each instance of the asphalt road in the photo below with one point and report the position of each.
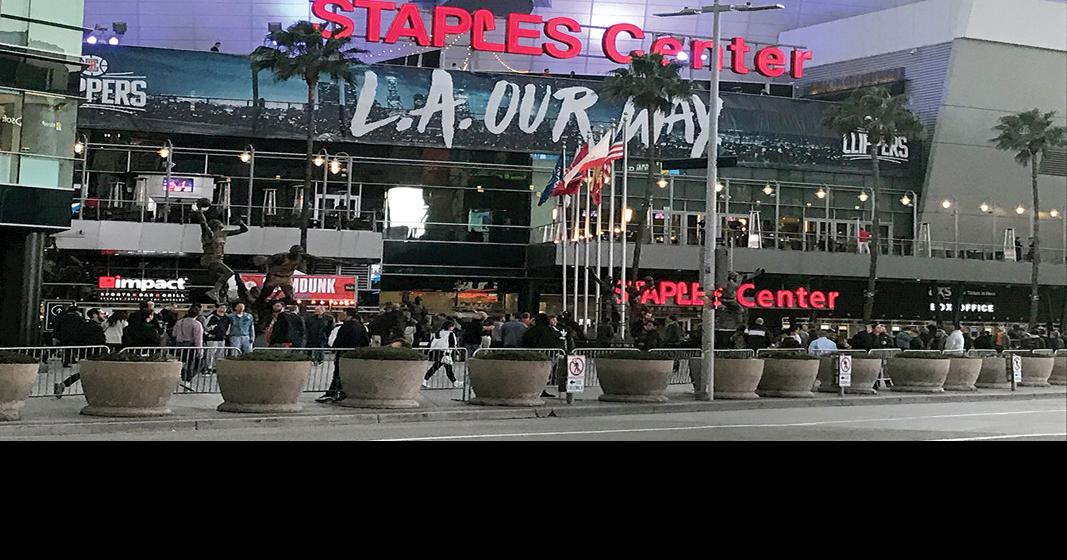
(1039, 420)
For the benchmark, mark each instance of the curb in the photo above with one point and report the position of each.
(17, 429)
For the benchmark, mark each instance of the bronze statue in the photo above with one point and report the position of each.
(213, 235)
(280, 270)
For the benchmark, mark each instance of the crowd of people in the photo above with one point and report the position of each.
(875, 336)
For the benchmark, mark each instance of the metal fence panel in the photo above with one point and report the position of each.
(57, 364)
(198, 364)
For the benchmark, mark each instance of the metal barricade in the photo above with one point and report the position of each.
(591, 354)
(323, 364)
(1060, 353)
(557, 356)
(58, 364)
(884, 354)
(198, 364)
(681, 374)
(763, 352)
(326, 360)
(974, 353)
(440, 380)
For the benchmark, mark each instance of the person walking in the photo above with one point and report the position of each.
(84, 333)
(511, 333)
(351, 334)
(116, 323)
(543, 335)
(319, 324)
(441, 354)
(242, 329)
(215, 334)
(189, 335)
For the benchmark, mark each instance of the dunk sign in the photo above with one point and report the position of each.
(533, 35)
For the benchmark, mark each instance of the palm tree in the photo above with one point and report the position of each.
(652, 83)
(302, 51)
(1030, 136)
(884, 117)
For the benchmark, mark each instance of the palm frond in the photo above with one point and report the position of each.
(1027, 134)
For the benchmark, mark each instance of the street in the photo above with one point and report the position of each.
(1038, 420)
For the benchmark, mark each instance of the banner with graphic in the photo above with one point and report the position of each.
(187, 92)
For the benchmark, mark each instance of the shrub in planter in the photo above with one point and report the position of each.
(918, 372)
(17, 374)
(509, 378)
(263, 381)
(736, 377)
(788, 375)
(1037, 369)
(382, 377)
(126, 384)
(865, 370)
(634, 376)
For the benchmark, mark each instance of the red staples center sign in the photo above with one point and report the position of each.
(533, 35)
(689, 294)
(307, 287)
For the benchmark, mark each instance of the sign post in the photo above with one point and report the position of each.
(844, 373)
(1016, 370)
(575, 376)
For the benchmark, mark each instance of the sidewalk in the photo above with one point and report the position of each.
(48, 416)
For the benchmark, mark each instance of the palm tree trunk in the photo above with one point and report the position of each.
(642, 219)
(305, 214)
(872, 274)
(1036, 265)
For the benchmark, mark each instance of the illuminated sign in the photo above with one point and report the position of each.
(533, 35)
(141, 284)
(121, 91)
(689, 294)
(334, 289)
(857, 145)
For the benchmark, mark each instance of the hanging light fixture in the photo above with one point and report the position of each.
(246, 156)
(164, 152)
(864, 197)
(946, 204)
(768, 190)
(984, 207)
(319, 161)
(821, 193)
(719, 187)
(480, 189)
(335, 166)
(1020, 210)
(1054, 213)
(662, 183)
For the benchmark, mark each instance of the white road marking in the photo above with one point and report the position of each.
(1020, 436)
(719, 427)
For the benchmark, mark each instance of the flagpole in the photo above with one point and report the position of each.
(563, 233)
(585, 266)
(599, 262)
(625, 205)
(611, 234)
(577, 199)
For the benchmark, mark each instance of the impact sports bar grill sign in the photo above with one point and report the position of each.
(532, 35)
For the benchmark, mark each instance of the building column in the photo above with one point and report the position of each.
(22, 256)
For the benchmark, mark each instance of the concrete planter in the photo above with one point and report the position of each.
(1059, 371)
(734, 379)
(508, 383)
(129, 389)
(16, 383)
(641, 381)
(791, 379)
(918, 375)
(262, 387)
(1037, 371)
(963, 374)
(381, 383)
(864, 373)
(994, 374)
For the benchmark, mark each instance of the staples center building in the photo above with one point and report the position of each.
(431, 163)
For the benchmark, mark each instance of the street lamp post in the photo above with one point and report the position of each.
(707, 372)
(911, 198)
(167, 153)
(991, 209)
(249, 156)
(81, 148)
(954, 205)
(824, 193)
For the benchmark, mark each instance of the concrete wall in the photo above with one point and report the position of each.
(178, 238)
(965, 165)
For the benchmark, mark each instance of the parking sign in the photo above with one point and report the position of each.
(575, 374)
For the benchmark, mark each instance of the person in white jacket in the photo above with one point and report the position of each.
(954, 342)
(116, 323)
(441, 355)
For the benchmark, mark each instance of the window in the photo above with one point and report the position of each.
(44, 36)
(48, 125)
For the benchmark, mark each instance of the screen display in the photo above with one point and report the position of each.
(179, 184)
